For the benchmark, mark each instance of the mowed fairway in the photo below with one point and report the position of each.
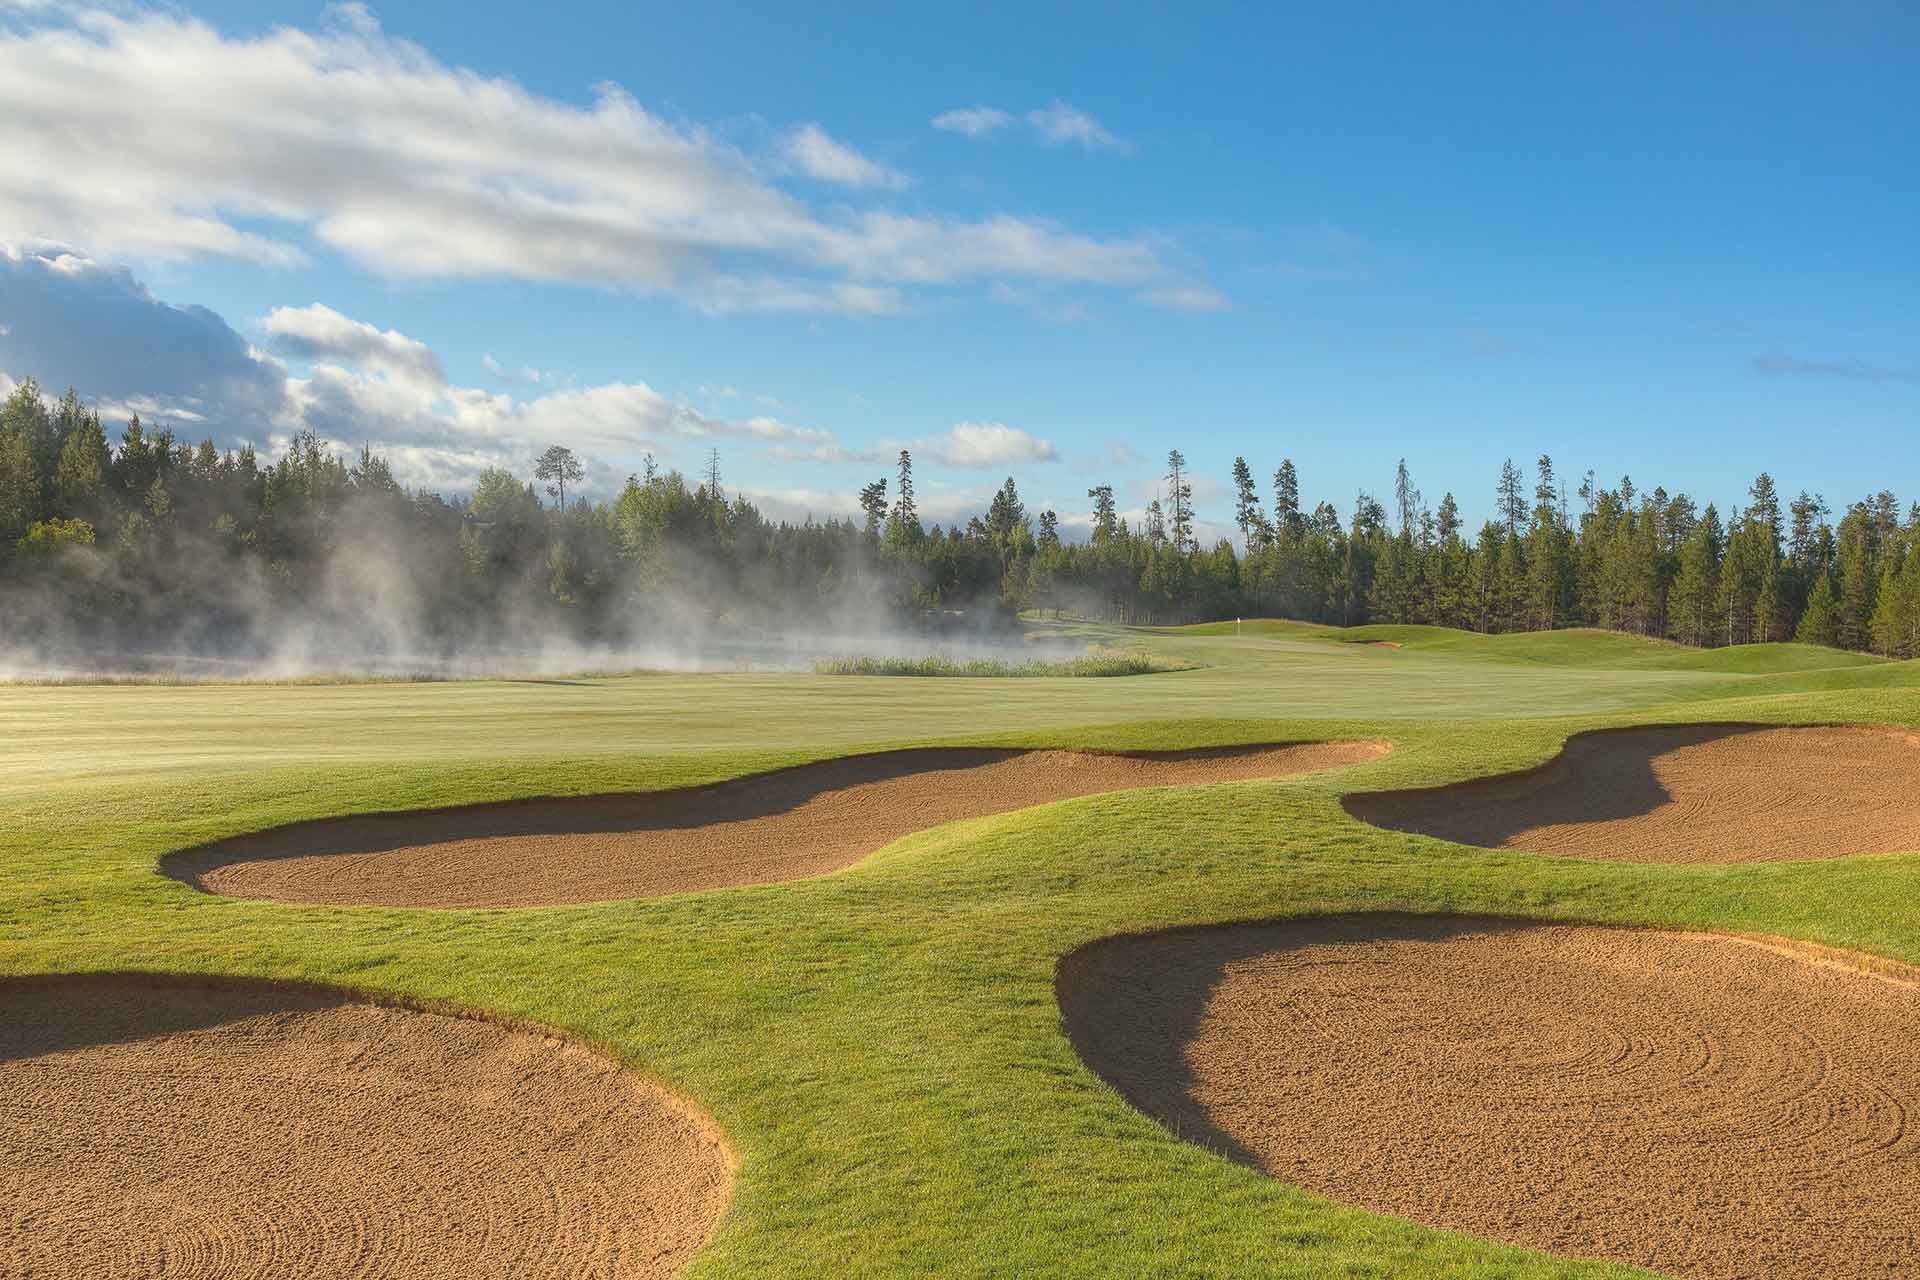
(882, 1046)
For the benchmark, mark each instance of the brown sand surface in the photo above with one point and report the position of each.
(178, 1131)
(1686, 793)
(804, 821)
(1702, 1105)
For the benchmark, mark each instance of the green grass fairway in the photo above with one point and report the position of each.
(882, 1045)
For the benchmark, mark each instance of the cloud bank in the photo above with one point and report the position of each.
(95, 327)
(348, 141)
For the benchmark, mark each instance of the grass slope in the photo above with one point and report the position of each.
(882, 1045)
(1590, 647)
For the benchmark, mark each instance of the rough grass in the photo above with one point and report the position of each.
(1101, 662)
(882, 1045)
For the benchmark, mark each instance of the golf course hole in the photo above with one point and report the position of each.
(246, 1130)
(1699, 1104)
(804, 821)
(1686, 793)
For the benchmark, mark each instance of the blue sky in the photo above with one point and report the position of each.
(1679, 242)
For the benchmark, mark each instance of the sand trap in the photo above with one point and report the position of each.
(151, 1130)
(796, 822)
(1686, 793)
(1700, 1105)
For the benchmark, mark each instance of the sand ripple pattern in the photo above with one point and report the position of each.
(804, 821)
(1707, 1107)
(187, 1132)
(1686, 793)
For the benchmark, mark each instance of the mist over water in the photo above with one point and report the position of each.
(184, 564)
(370, 614)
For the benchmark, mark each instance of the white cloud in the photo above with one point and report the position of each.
(525, 373)
(810, 150)
(721, 295)
(444, 439)
(386, 389)
(969, 445)
(1060, 123)
(1057, 123)
(930, 251)
(171, 412)
(989, 444)
(373, 148)
(318, 332)
(796, 505)
(97, 329)
(974, 122)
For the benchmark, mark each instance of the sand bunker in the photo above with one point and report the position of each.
(1686, 793)
(796, 822)
(240, 1132)
(1701, 1105)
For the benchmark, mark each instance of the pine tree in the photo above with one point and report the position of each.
(82, 471)
(904, 524)
(19, 487)
(1691, 602)
(557, 468)
(1907, 637)
(1511, 598)
(1105, 522)
(1049, 539)
(1739, 581)
(1547, 574)
(1819, 623)
(1807, 512)
(1406, 498)
(873, 501)
(1447, 522)
(1287, 520)
(1483, 591)
(1512, 507)
(1005, 514)
(1853, 613)
(1246, 511)
(1885, 628)
(1179, 503)
(1769, 605)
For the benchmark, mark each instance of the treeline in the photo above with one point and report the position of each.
(1647, 562)
(153, 544)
